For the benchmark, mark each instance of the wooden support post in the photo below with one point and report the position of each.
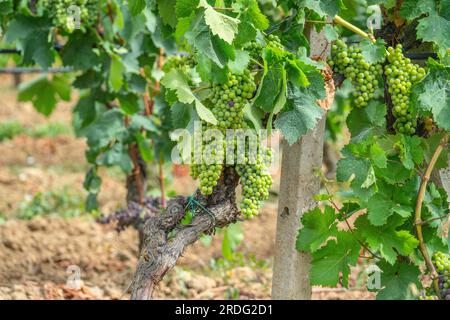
(298, 186)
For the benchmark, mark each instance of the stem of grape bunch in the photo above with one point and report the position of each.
(338, 20)
(418, 211)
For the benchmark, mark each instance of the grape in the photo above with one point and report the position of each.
(349, 61)
(401, 74)
(255, 49)
(182, 63)
(429, 124)
(229, 99)
(255, 181)
(62, 18)
(441, 262)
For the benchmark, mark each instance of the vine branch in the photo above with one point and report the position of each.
(418, 212)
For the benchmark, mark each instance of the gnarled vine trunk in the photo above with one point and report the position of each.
(165, 239)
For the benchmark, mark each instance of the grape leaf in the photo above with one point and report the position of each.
(223, 26)
(251, 13)
(166, 12)
(78, 51)
(387, 202)
(397, 279)
(32, 37)
(301, 114)
(185, 8)
(436, 29)
(368, 121)
(386, 239)
(117, 156)
(240, 63)
(330, 33)
(116, 73)
(378, 156)
(176, 81)
(213, 47)
(270, 87)
(317, 228)
(411, 152)
(181, 115)
(43, 93)
(394, 172)
(412, 9)
(324, 7)
(433, 94)
(358, 171)
(107, 126)
(136, 6)
(373, 52)
(334, 260)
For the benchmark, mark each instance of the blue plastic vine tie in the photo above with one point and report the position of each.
(194, 204)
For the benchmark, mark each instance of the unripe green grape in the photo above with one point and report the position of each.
(401, 74)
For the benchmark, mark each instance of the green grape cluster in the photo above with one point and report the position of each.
(254, 49)
(256, 182)
(274, 41)
(401, 74)
(229, 99)
(183, 63)
(349, 61)
(62, 18)
(441, 262)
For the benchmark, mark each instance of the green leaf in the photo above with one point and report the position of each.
(334, 260)
(136, 6)
(373, 52)
(78, 51)
(250, 12)
(302, 114)
(213, 47)
(386, 239)
(43, 93)
(221, 25)
(107, 126)
(412, 9)
(388, 201)
(433, 94)
(317, 228)
(436, 29)
(411, 152)
(324, 7)
(240, 63)
(358, 172)
(181, 115)
(175, 80)
(185, 8)
(92, 181)
(129, 103)
(270, 87)
(378, 156)
(117, 156)
(32, 37)
(116, 73)
(368, 121)
(145, 147)
(330, 33)
(397, 279)
(395, 172)
(167, 13)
